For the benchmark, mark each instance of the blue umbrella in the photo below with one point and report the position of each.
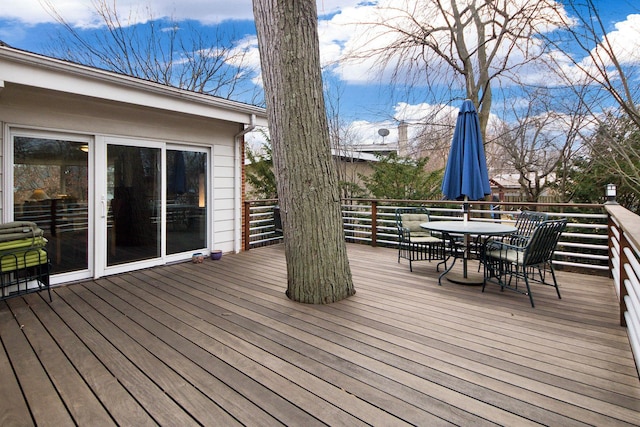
(466, 176)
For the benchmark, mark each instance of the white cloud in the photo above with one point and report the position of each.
(81, 13)
(365, 32)
(28, 12)
(625, 40)
(424, 112)
(366, 132)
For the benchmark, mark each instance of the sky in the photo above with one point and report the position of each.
(367, 99)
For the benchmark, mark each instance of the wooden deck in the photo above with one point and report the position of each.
(219, 344)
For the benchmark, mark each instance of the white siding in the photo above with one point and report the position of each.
(224, 213)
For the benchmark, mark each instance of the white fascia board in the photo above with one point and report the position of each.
(30, 69)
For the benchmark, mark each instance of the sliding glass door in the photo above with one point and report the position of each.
(110, 204)
(186, 217)
(133, 203)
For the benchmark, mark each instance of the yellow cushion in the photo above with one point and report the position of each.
(12, 245)
(18, 260)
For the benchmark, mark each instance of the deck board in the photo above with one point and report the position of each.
(218, 343)
(14, 407)
(79, 400)
(67, 328)
(45, 407)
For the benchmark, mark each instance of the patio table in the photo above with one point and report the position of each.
(465, 228)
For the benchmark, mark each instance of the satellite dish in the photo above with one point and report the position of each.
(383, 132)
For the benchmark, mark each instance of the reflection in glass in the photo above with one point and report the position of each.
(186, 201)
(51, 189)
(133, 189)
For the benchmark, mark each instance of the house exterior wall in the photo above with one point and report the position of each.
(353, 171)
(30, 108)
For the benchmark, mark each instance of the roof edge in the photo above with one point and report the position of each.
(103, 76)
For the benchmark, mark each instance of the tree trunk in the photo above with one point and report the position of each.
(317, 266)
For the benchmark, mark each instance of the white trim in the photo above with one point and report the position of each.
(7, 177)
(99, 248)
(8, 211)
(181, 256)
(237, 187)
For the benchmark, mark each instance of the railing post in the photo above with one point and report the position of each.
(374, 223)
(246, 226)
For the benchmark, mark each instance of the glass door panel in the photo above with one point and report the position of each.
(51, 188)
(186, 201)
(133, 204)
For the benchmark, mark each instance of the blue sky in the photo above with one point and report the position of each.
(367, 100)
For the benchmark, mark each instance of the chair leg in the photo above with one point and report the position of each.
(555, 283)
(526, 281)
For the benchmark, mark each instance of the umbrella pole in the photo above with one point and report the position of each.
(465, 209)
(465, 255)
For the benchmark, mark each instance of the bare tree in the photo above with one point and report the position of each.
(612, 69)
(433, 137)
(461, 47)
(543, 141)
(317, 265)
(344, 145)
(163, 51)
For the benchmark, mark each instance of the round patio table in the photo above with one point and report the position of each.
(466, 229)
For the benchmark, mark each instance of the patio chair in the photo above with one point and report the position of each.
(527, 260)
(526, 222)
(414, 242)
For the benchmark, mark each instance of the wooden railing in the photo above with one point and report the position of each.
(624, 260)
(582, 246)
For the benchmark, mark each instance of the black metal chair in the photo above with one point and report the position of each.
(528, 259)
(526, 222)
(414, 242)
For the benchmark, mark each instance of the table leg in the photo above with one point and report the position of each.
(465, 278)
(453, 252)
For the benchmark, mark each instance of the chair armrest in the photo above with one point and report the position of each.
(502, 246)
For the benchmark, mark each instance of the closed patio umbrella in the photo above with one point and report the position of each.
(466, 176)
